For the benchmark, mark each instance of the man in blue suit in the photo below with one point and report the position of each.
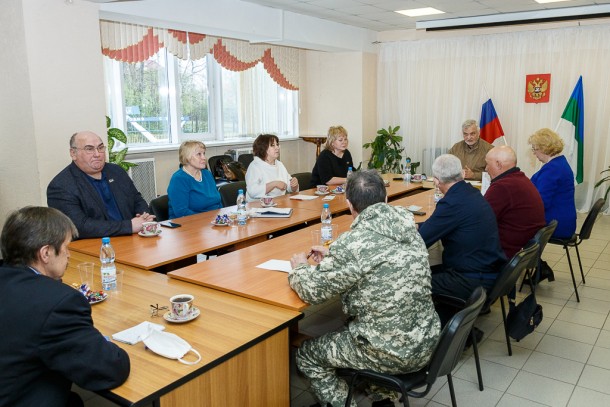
(99, 197)
(466, 225)
(48, 338)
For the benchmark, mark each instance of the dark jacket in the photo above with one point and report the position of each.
(466, 225)
(329, 165)
(49, 342)
(72, 193)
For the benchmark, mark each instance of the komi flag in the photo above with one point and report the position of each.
(571, 128)
(490, 125)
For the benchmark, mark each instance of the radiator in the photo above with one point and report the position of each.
(143, 176)
(246, 150)
(428, 157)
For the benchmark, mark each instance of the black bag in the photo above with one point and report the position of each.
(524, 318)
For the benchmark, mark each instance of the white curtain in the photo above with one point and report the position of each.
(429, 87)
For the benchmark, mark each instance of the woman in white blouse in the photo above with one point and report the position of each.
(266, 175)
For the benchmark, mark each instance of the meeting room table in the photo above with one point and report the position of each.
(237, 272)
(178, 247)
(244, 344)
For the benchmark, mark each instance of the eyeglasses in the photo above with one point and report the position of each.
(91, 149)
(154, 310)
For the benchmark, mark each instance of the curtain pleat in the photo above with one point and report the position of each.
(134, 43)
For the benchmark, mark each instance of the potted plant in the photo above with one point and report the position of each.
(386, 152)
(117, 157)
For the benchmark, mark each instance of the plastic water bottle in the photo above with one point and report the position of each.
(349, 172)
(108, 269)
(326, 231)
(407, 171)
(241, 208)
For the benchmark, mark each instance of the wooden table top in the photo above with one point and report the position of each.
(236, 272)
(227, 324)
(197, 234)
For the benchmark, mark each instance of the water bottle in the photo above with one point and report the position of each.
(349, 172)
(108, 269)
(241, 208)
(407, 171)
(326, 231)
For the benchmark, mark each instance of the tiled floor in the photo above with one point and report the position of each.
(565, 362)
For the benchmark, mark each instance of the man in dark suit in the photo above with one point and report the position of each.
(48, 339)
(466, 225)
(99, 197)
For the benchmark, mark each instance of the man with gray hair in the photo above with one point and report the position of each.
(471, 151)
(466, 225)
(48, 338)
(380, 268)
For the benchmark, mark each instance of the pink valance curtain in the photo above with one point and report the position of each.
(136, 43)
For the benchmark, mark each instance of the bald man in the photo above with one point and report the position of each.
(514, 199)
(99, 197)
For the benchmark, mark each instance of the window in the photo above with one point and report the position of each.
(165, 100)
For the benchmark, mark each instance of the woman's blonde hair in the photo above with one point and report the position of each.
(547, 141)
(187, 149)
(333, 133)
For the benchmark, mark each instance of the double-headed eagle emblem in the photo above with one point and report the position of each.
(537, 88)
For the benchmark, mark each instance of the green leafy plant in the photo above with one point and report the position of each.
(386, 152)
(117, 157)
(603, 180)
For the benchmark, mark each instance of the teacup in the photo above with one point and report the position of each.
(150, 228)
(182, 305)
(267, 200)
(322, 189)
(416, 177)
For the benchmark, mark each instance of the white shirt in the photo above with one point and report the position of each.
(260, 173)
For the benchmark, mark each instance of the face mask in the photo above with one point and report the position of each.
(169, 345)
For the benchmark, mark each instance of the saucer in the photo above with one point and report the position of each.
(97, 298)
(220, 224)
(320, 193)
(149, 235)
(334, 191)
(170, 318)
(269, 206)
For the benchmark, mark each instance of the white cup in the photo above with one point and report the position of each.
(150, 228)
(182, 305)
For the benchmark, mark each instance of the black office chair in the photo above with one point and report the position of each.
(228, 192)
(245, 159)
(304, 179)
(444, 359)
(532, 273)
(578, 238)
(160, 208)
(505, 283)
(214, 166)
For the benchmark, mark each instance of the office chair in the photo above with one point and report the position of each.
(304, 179)
(532, 273)
(160, 208)
(228, 192)
(444, 359)
(578, 238)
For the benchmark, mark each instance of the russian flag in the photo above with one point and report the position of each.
(490, 125)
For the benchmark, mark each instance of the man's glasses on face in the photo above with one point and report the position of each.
(91, 149)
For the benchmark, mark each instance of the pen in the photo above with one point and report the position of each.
(309, 254)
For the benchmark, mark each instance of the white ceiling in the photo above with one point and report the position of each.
(379, 15)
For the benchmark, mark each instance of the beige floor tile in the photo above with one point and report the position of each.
(565, 348)
(496, 351)
(601, 283)
(581, 317)
(508, 400)
(554, 367)
(576, 332)
(541, 389)
(602, 272)
(495, 376)
(549, 310)
(599, 306)
(603, 340)
(587, 291)
(468, 395)
(600, 357)
(595, 378)
(588, 398)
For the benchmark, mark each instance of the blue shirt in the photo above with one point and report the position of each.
(188, 196)
(466, 224)
(555, 183)
(102, 187)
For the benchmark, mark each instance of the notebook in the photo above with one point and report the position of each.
(271, 212)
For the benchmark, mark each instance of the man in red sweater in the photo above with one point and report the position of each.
(514, 199)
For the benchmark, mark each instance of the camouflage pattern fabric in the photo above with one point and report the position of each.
(380, 268)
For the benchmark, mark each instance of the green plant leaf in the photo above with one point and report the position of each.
(117, 134)
(107, 122)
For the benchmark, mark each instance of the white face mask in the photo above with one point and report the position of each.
(169, 345)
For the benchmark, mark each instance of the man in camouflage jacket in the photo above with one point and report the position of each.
(380, 268)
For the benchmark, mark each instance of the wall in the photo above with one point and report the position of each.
(52, 85)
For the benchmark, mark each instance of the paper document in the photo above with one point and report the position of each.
(277, 265)
(304, 197)
(270, 212)
(132, 335)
